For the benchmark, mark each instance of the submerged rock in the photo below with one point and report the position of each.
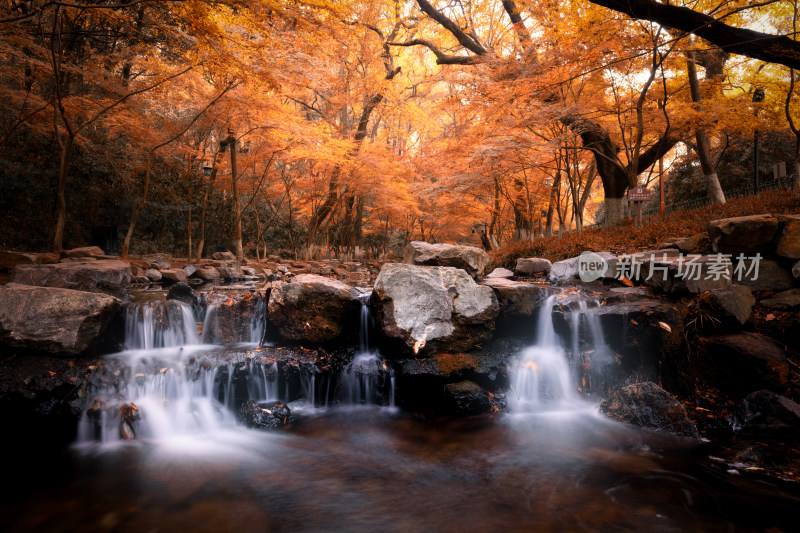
(265, 415)
(314, 309)
(181, 292)
(53, 320)
(649, 406)
(433, 309)
(469, 258)
(468, 398)
(111, 277)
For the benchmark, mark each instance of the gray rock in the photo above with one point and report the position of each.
(232, 315)
(53, 320)
(648, 405)
(796, 270)
(314, 309)
(182, 292)
(153, 275)
(766, 414)
(500, 273)
(433, 308)
(741, 363)
(770, 276)
(173, 276)
(570, 269)
(87, 251)
(190, 270)
(693, 274)
(528, 266)
(515, 297)
(111, 277)
(468, 398)
(8, 260)
(224, 256)
(750, 234)
(783, 301)
(735, 301)
(208, 273)
(698, 243)
(469, 258)
(788, 244)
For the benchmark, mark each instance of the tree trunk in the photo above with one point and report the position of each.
(713, 187)
(61, 205)
(236, 206)
(548, 230)
(126, 244)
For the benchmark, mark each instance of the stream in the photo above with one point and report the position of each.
(354, 461)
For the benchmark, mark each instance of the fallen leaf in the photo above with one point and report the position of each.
(634, 322)
(769, 317)
(665, 327)
(625, 281)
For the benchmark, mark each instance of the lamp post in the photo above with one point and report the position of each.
(758, 97)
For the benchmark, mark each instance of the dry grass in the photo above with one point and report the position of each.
(655, 230)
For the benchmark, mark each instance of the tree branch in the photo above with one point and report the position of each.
(764, 46)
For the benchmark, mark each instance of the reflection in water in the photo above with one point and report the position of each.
(365, 470)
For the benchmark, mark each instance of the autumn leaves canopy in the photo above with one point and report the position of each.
(366, 124)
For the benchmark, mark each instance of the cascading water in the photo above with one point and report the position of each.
(364, 380)
(542, 374)
(159, 324)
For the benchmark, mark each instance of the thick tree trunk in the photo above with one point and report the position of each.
(522, 220)
(713, 187)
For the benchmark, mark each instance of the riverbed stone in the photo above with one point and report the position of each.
(500, 273)
(766, 414)
(748, 234)
(224, 256)
(741, 363)
(733, 301)
(783, 301)
(190, 270)
(315, 309)
(693, 274)
(429, 309)
(10, 259)
(694, 244)
(58, 321)
(770, 276)
(108, 276)
(86, 251)
(231, 315)
(471, 259)
(569, 269)
(796, 270)
(516, 298)
(468, 398)
(788, 244)
(173, 276)
(182, 292)
(529, 266)
(649, 406)
(207, 273)
(264, 415)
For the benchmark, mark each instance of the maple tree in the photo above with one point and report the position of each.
(362, 125)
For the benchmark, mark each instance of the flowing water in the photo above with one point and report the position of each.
(550, 464)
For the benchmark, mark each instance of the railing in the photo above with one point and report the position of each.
(785, 183)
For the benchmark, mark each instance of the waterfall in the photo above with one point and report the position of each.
(542, 373)
(367, 379)
(159, 324)
(550, 372)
